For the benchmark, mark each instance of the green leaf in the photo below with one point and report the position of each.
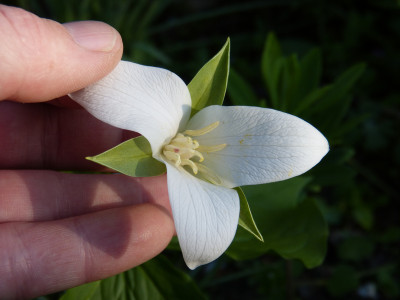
(240, 91)
(388, 283)
(246, 218)
(346, 81)
(356, 248)
(290, 81)
(335, 171)
(155, 279)
(346, 126)
(208, 87)
(170, 281)
(364, 216)
(291, 226)
(311, 69)
(132, 158)
(271, 67)
(174, 244)
(83, 292)
(311, 98)
(340, 89)
(344, 279)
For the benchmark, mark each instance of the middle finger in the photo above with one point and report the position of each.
(36, 195)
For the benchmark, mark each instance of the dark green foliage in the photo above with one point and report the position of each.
(291, 226)
(155, 279)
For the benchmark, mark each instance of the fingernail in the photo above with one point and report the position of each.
(93, 35)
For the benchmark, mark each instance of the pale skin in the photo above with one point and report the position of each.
(57, 229)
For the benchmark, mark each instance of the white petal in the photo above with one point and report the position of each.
(206, 216)
(152, 101)
(263, 145)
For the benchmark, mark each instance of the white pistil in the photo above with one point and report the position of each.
(209, 149)
(182, 149)
(194, 166)
(209, 174)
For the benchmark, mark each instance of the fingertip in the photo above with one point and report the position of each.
(43, 59)
(125, 237)
(72, 251)
(93, 35)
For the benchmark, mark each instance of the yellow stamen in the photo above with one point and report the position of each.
(202, 131)
(209, 149)
(172, 156)
(182, 149)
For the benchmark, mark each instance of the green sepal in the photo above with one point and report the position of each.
(208, 87)
(245, 217)
(132, 158)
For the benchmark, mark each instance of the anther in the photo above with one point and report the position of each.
(182, 149)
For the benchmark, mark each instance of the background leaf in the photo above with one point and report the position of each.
(155, 279)
(208, 87)
(343, 280)
(132, 158)
(83, 292)
(291, 226)
(311, 70)
(239, 91)
(271, 66)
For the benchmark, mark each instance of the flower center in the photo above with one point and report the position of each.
(183, 151)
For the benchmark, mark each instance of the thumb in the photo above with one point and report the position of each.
(41, 59)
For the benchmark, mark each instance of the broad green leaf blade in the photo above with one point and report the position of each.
(290, 82)
(349, 125)
(346, 80)
(333, 121)
(335, 170)
(340, 88)
(246, 218)
(311, 70)
(240, 91)
(170, 281)
(87, 291)
(132, 158)
(291, 226)
(155, 279)
(174, 244)
(275, 81)
(344, 280)
(271, 67)
(208, 87)
(310, 99)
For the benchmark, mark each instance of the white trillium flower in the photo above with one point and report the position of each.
(206, 156)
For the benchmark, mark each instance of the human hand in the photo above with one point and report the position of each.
(58, 229)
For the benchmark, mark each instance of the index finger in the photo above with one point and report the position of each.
(43, 136)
